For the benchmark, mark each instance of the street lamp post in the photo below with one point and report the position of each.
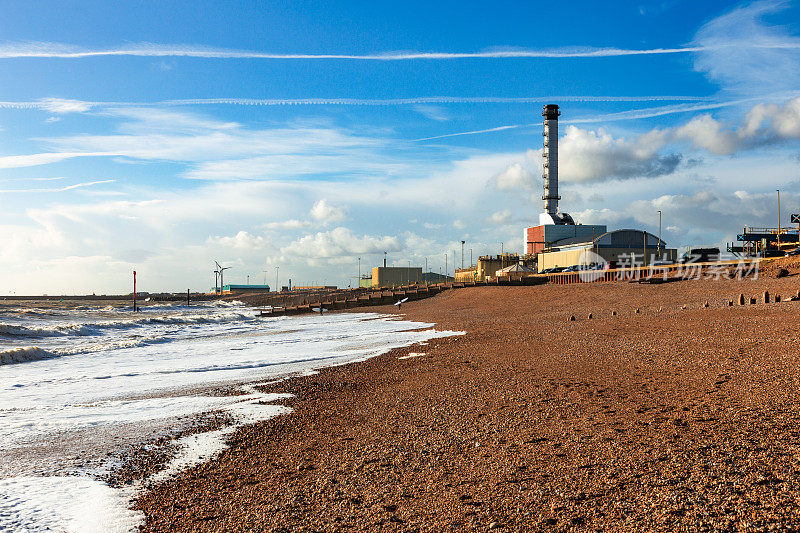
(276, 279)
(779, 218)
(445, 266)
(462, 255)
(659, 234)
(359, 272)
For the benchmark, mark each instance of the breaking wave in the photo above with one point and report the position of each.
(24, 355)
(98, 328)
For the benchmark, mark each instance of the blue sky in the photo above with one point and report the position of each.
(161, 136)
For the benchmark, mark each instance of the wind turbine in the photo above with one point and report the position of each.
(221, 270)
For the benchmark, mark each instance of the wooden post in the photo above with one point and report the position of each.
(187, 297)
(134, 291)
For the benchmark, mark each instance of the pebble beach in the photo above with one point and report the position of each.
(667, 410)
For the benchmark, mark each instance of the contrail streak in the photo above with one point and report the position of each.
(59, 189)
(55, 105)
(635, 114)
(62, 51)
(475, 132)
(59, 50)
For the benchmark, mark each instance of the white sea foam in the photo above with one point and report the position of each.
(411, 355)
(147, 370)
(65, 503)
(200, 447)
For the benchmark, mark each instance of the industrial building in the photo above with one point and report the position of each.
(391, 276)
(617, 248)
(487, 266)
(758, 240)
(541, 237)
(467, 275)
(559, 242)
(434, 277)
(238, 289)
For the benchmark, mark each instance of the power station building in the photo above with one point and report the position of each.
(554, 225)
(558, 242)
(619, 248)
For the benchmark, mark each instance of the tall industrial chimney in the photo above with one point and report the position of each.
(551, 197)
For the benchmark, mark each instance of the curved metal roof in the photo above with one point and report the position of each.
(621, 238)
(627, 238)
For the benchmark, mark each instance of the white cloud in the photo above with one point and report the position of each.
(288, 224)
(595, 155)
(242, 240)
(586, 155)
(764, 124)
(709, 134)
(31, 160)
(224, 150)
(742, 54)
(339, 242)
(514, 178)
(325, 213)
(500, 217)
(783, 121)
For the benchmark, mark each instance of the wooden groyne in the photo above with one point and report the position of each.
(342, 300)
(348, 299)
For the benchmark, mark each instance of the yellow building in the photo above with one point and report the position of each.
(614, 248)
(489, 264)
(393, 276)
(466, 275)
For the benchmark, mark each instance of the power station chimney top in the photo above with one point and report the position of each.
(551, 112)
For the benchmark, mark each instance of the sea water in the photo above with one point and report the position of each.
(78, 385)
